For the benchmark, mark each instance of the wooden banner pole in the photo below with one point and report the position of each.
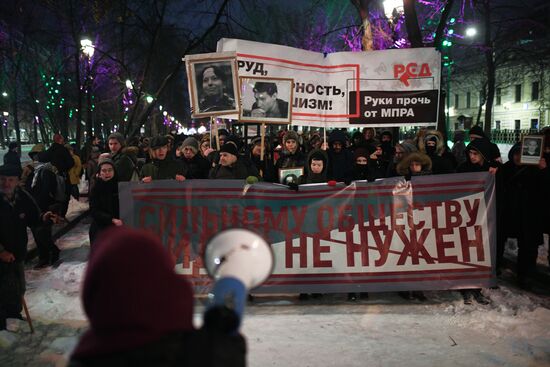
(262, 134)
(27, 315)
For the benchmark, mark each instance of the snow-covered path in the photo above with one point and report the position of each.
(383, 330)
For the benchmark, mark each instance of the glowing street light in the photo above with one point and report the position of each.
(4, 94)
(470, 32)
(87, 47)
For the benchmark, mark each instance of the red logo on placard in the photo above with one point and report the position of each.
(412, 70)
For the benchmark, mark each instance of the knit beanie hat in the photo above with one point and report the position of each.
(291, 135)
(229, 147)
(11, 170)
(191, 143)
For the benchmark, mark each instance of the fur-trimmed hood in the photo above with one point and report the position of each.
(429, 134)
(403, 166)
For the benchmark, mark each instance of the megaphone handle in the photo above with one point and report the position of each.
(230, 292)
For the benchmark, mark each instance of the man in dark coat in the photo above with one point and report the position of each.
(162, 167)
(523, 210)
(231, 166)
(476, 133)
(124, 163)
(43, 188)
(478, 160)
(61, 158)
(12, 155)
(18, 210)
(265, 167)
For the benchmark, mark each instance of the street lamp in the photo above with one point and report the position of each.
(87, 47)
(470, 32)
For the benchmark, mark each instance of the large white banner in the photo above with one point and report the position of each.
(342, 89)
(433, 232)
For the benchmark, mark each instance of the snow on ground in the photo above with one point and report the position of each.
(383, 330)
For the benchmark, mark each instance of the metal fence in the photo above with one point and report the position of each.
(508, 136)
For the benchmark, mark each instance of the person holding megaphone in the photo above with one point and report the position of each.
(141, 312)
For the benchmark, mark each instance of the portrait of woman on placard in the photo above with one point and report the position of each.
(214, 86)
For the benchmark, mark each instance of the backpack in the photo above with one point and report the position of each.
(59, 195)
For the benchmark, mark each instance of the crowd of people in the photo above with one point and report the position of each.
(37, 194)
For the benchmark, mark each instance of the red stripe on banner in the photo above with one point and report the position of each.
(481, 269)
(460, 183)
(303, 69)
(396, 280)
(196, 282)
(331, 189)
(357, 79)
(298, 196)
(299, 63)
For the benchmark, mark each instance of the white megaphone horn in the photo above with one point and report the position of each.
(239, 260)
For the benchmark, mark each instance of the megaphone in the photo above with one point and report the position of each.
(239, 260)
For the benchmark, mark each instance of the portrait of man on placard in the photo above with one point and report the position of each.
(213, 85)
(531, 149)
(266, 100)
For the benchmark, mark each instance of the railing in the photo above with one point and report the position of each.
(511, 136)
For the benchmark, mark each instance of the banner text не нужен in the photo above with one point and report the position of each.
(434, 232)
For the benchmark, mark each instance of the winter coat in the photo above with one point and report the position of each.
(362, 172)
(43, 186)
(523, 207)
(11, 157)
(340, 165)
(288, 160)
(238, 171)
(15, 217)
(61, 158)
(165, 169)
(75, 171)
(403, 167)
(483, 146)
(125, 165)
(141, 311)
(197, 167)
(192, 348)
(310, 177)
(442, 160)
(378, 167)
(265, 168)
(459, 152)
(104, 206)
